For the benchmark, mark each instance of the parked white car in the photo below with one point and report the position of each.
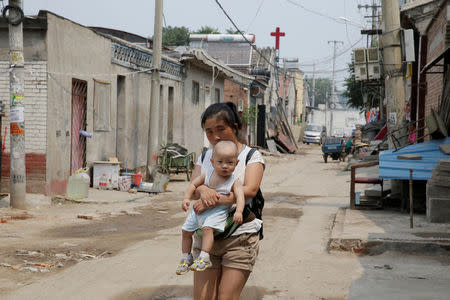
(314, 133)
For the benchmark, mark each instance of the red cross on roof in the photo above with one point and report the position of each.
(277, 35)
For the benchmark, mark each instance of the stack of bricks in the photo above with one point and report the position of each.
(35, 125)
(438, 193)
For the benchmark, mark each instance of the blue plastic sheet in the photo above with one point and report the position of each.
(393, 168)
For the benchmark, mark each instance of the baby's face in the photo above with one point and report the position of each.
(224, 163)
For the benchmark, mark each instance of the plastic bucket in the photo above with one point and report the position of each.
(137, 179)
(358, 197)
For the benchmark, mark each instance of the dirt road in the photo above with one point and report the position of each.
(134, 255)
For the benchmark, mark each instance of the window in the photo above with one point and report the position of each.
(195, 92)
(240, 106)
(102, 106)
(217, 95)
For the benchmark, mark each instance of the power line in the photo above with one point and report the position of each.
(337, 20)
(330, 58)
(245, 38)
(268, 61)
(254, 18)
(326, 71)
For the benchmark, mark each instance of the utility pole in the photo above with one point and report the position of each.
(392, 59)
(374, 22)
(314, 85)
(374, 34)
(326, 112)
(153, 130)
(17, 172)
(333, 90)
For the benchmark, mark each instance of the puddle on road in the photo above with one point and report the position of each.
(286, 198)
(282, 212)
(436, 235)
(339, 205)
(300, 200)
(184, 292)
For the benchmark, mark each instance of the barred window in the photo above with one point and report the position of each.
(195, 92)
(217, 94)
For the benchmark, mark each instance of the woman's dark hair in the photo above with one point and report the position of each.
(225, 111)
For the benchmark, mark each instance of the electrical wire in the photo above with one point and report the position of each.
(256, 14)
(245, 38)
(265, 58)
(164, 18)
(337, 20)
(330, 58)
(280, 70)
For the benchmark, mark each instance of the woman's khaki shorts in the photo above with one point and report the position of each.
(237, 252)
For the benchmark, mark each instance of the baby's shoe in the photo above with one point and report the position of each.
(201, 264)
(183, 266)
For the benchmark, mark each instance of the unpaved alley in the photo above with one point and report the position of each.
(134, 255)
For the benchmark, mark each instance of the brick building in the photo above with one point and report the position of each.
(429, 84)
(35, 88)
(438, 63)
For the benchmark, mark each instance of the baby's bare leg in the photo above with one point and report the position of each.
(186, 241)
(208, 239)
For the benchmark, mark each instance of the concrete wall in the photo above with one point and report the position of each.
(342, 119)
(75, 52)
(194, 136)
(127, 138)
(176, 116)
(299, 86)
(292, 101)
(34, 47)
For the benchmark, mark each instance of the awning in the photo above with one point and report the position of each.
(433, 62)
(393, 168)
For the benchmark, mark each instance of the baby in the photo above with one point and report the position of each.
(220, 178)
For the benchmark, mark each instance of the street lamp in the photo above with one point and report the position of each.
(350, 22)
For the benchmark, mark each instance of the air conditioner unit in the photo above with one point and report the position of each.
(374, 71)
(360, 72)
(359, 55)
(372, 55)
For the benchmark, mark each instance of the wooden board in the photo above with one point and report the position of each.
(445, 148)
(272, 146)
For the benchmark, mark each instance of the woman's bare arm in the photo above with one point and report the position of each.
(253, 177)
(195, 173)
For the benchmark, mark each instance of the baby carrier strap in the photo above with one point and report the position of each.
(203, 156)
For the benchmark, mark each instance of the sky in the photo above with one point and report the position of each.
(309, 24)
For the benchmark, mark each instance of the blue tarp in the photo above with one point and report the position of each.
(393, 168)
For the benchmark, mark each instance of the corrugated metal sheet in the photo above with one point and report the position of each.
(393, 168)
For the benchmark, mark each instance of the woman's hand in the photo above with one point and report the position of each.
(208, 199)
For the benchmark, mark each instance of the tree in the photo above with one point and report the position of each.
(355, 89)
(232, 31)
(207, 30)
(175, 36)
(322, 90)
